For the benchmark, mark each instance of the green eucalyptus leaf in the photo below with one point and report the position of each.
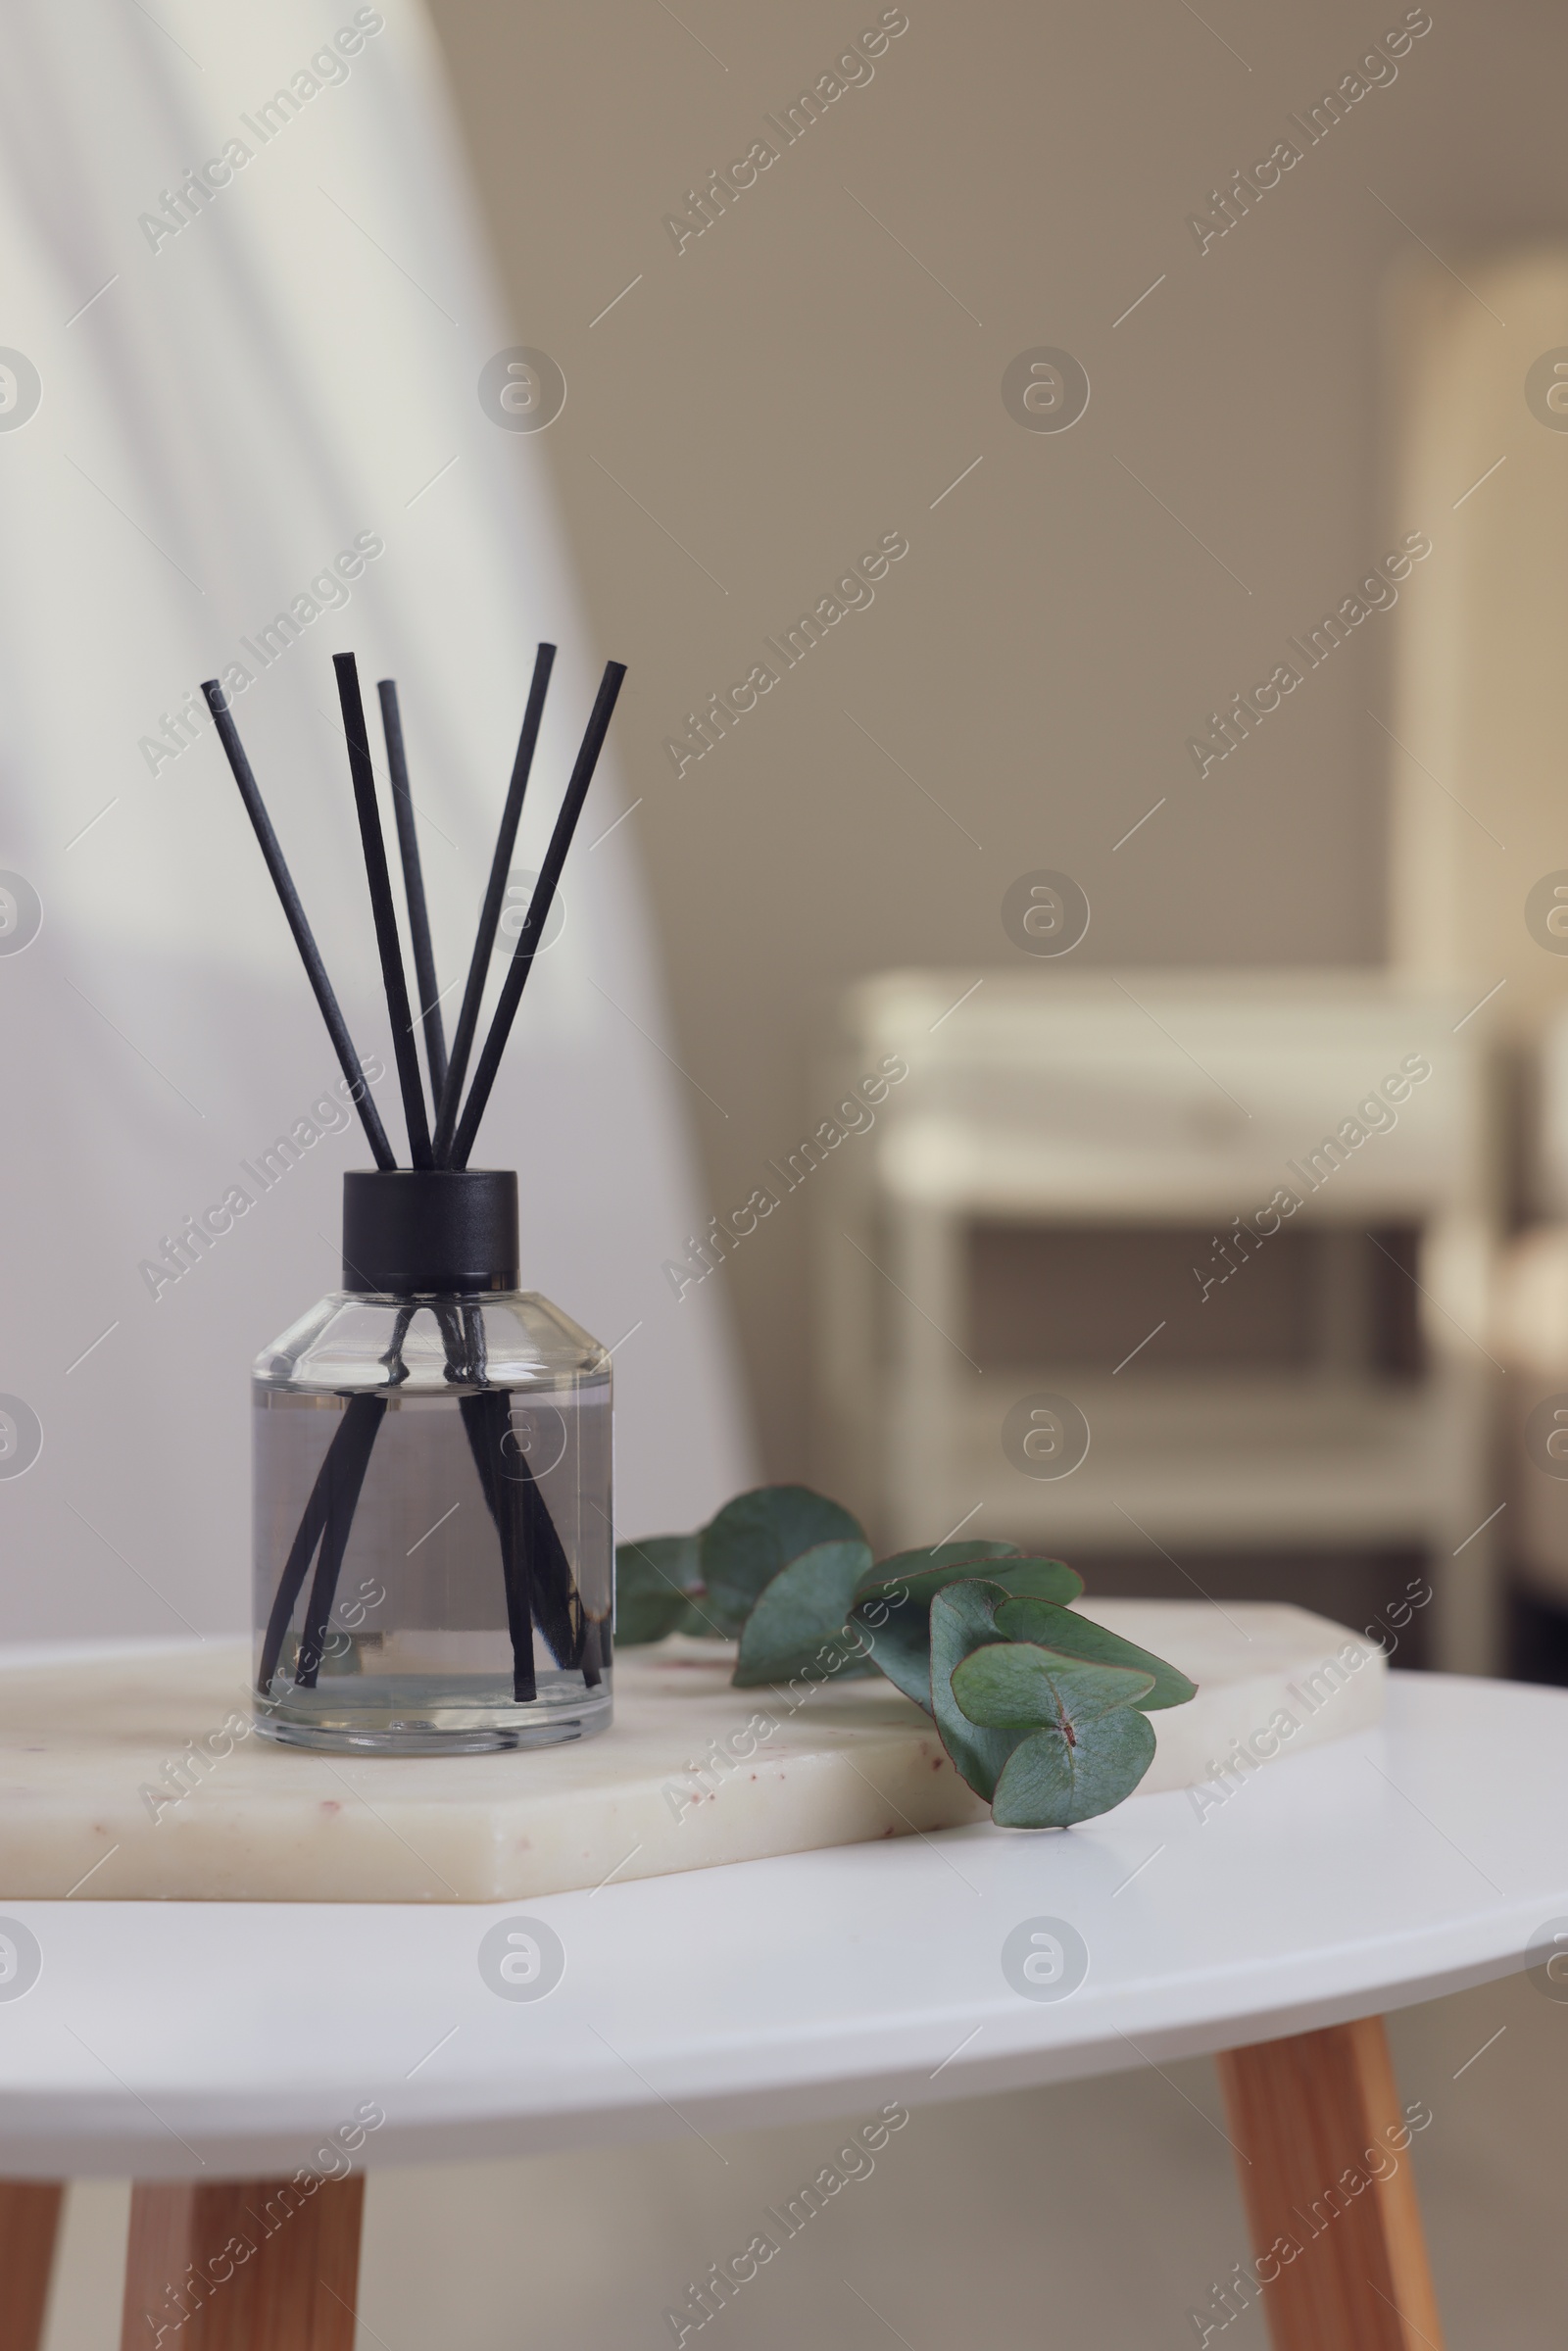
(801, 1613)
(1017, 1686)
(1048, 1784)
(1040, 1579)
(752, 1537)
(895, 1610)
(1025, 1618)
(888, 1574)
(962, 1620)
(658, 1589)
(1033, 1577)
(899, 1646)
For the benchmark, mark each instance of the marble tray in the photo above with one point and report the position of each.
(134, 1776)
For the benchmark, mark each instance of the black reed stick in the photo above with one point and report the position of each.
(435, 1045)
(297, 1566)
(463, 1338)
(557, 1604)
(484, 1418)
(355, 1432)
(381, 906)
(543, 1566)
(490, 914)
(304, 939)
(527, 946)
(354, 1436)
(360, 1426)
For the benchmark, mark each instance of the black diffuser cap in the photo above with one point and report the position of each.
(415, 1230)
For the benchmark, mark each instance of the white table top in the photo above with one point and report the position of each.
(179, 2038)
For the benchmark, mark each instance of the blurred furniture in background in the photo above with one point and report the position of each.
(1530, 1334)
(1474, 731)
(1477, 719)
(1229, 1232)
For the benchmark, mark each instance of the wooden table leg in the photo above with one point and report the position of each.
(30, 2217)
(1323, 2143)
(243, 2265)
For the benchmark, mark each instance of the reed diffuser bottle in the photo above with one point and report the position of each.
(436, 1444)
(432, 1532)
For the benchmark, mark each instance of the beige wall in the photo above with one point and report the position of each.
(794, 383)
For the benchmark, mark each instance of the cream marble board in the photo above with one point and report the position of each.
(94, 1756)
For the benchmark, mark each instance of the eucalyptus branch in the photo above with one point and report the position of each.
(1044, 1713)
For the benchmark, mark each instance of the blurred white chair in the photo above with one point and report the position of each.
(1163, 1104)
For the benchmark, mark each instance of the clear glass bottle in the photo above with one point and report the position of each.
(432, 1539)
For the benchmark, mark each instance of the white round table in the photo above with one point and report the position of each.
(200, 2044)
